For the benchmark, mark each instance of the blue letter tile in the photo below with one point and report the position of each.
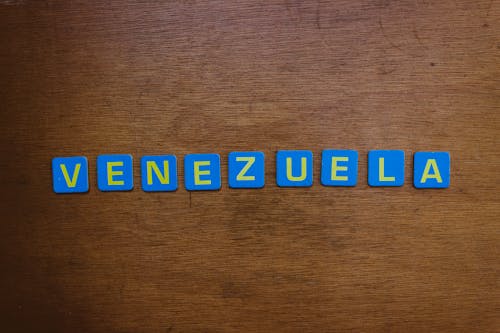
(246, 169)
(115, 173)
(386, 168)
(339, 168)
(294, 168)
(70, 174)
(159, 173)
(431, 170)
(202, 172)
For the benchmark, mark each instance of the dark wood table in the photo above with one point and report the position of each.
(178, 77)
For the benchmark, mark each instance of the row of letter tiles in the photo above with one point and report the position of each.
(246, 170)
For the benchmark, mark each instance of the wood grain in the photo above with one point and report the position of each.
(153, 77)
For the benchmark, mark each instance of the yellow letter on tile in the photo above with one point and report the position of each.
(112, 173)
(336, 167)
(71, 182)
(250, 161)
(381, 176)
(163, 178)
(303, 171)
(198, 173)
(435, 175)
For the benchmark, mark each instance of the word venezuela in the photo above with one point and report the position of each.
(294, 168)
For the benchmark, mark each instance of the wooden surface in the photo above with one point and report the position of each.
(153, 77)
